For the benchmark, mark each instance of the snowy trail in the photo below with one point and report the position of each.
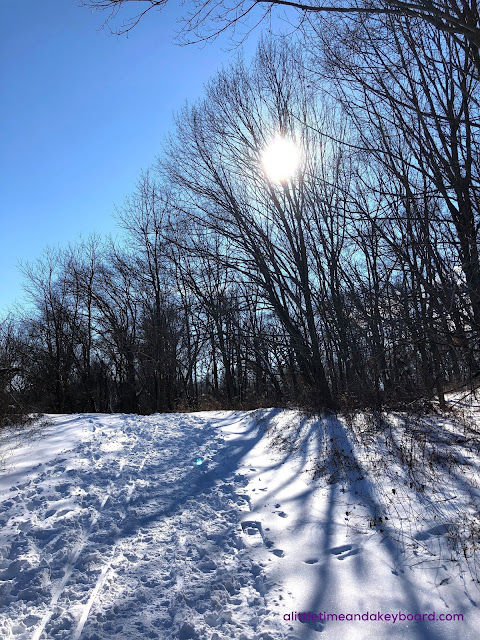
(105, 569)
(111, 530)
(93, 533)
(69, 567)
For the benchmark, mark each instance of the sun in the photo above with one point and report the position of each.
(281, 159)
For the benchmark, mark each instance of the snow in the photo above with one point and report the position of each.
(221, 525)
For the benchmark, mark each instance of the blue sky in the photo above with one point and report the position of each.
(82, 113)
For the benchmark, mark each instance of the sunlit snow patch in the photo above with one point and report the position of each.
(109, 447)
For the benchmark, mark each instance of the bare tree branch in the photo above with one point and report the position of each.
(459, 17)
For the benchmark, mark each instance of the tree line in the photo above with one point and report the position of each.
(354, 283)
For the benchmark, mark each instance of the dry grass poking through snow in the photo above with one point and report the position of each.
(412, 478)
(13, 438)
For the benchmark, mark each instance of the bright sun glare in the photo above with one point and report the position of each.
(281, 159)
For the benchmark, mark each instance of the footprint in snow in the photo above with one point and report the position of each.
(311, 561)
(344, 551)
(63, 488)
(438, 530)
(278, 552)
(282, 514)
(254, 528)
(251, 527)
(206, 565)
(316, 625)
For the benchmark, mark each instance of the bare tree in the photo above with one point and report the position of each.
(412, 98)
(53, 330)
(459, 17)
(13, 407)
(215, 166)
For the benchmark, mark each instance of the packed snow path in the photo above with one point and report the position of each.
(193, 526)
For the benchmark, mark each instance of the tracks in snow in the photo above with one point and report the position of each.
(80, 546)
(133, 541)
(57, 592)
(106, 567)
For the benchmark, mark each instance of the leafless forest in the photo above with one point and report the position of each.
(353, 284)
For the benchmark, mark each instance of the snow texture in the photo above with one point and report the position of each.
(215, 525)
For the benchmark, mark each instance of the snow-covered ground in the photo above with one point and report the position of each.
(227, 525)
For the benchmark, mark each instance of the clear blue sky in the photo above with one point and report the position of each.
(82, 113)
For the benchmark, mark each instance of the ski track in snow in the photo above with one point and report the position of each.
(123, 536)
